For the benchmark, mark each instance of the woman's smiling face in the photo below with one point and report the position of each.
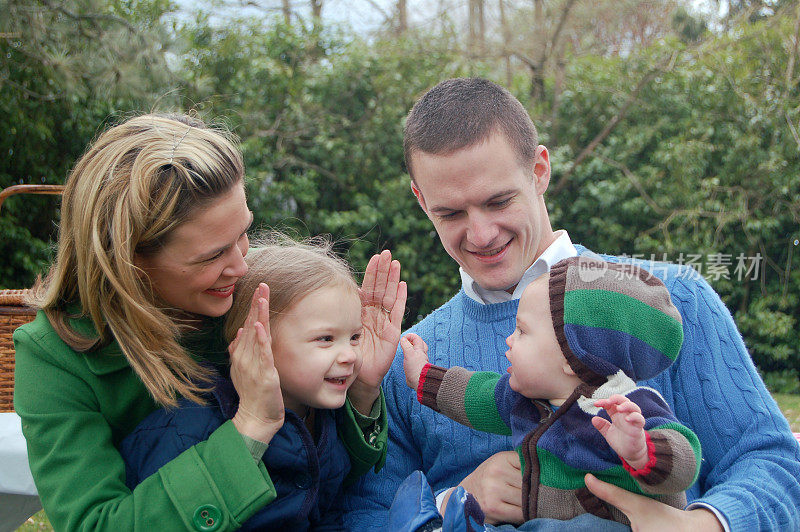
(197, 268)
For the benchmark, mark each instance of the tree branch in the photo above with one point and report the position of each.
(792, 129)
(600, 137)
(92, 18)
(32, 94)
(562, 21)
(293, 159)
(793, 54)
(636, 184)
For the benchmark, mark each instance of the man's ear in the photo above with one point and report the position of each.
(418, 194)
(541, 170)
(568, 369)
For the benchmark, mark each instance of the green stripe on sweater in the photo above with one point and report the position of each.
(555, 473)
(630, 316)
(480, 405)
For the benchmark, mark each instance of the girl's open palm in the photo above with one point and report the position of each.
(260, 414)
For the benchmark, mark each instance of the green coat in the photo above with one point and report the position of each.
(77, 407)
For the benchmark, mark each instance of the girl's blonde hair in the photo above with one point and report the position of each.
(291, 269)
(134, 185)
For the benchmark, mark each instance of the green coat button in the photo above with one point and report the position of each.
(207, 518)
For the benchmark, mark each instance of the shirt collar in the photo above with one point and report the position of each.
(562, 248)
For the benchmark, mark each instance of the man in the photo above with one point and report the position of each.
(480, 175)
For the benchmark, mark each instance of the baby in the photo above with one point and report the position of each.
(584, 334)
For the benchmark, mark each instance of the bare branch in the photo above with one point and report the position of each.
(792, 129)
(636, 184)
(561, 23)
(293, 159)
(32, 94)
(387, 16)
(92, 17)
(623, 111)
(793, 54)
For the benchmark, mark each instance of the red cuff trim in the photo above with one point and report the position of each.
(651, 460)
(422, 375)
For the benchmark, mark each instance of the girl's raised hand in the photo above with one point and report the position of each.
(625, 434)
(260, 413)
(415, 356)
(383, 302)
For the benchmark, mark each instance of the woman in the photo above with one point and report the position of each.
(152, 241)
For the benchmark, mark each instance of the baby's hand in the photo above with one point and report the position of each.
(415, 356)
(625, 434)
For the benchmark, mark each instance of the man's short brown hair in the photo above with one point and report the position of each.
(461, 112)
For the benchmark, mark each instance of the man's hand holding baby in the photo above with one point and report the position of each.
(625, 433)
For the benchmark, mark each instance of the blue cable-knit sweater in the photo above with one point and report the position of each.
(751, 462)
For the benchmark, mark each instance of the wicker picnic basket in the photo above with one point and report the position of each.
(13, 311)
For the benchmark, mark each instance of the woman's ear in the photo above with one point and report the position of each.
(140, 264)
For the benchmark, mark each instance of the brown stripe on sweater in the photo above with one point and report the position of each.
(675, 463)
(431, 385)
(452, 393)
(592, 504)
(531, 471)
(617, 277)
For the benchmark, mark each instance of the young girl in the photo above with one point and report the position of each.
(323, 333)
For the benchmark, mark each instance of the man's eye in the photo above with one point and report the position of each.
(214, 257)
(449, 215)
(355, 338)
(500, 204)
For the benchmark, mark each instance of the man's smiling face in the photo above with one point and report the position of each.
(487, 208)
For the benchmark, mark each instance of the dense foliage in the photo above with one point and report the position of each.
(702, 159)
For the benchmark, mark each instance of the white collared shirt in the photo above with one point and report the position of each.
(560, 249)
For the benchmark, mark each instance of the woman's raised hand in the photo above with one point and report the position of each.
(383, 302)
(260, 413)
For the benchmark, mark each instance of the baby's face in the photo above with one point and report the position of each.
(538, 367)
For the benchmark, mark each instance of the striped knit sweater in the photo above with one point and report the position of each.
(751, 461)
(557, 448)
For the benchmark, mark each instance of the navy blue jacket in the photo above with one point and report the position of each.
(307, 475)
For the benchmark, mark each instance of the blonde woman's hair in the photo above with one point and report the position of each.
(134, 185)
(292, 269)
